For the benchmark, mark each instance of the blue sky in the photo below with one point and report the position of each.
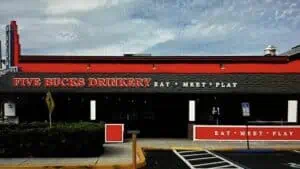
(159, 27)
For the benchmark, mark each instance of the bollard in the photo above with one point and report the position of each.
(134, 133)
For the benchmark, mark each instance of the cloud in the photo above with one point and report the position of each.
(55, 7)
(160, 27)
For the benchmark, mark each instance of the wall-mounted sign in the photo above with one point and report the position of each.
(239, 133)
(9, 109)
(114, 133)
(246, 109)
(146, 82)
(119, 82)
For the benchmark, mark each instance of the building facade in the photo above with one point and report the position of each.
(162, 96)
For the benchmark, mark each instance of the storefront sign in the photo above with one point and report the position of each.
(80, 82)
(239, 133)
(149, 83)
(118, 82)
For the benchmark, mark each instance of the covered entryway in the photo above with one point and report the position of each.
(155, 115)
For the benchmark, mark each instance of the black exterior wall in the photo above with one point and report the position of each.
(167, 97)
(150, 113)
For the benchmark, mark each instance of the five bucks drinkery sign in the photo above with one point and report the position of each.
(143, 82)
(81, 82)
(117, 82)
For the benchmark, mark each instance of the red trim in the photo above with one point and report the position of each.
(152, 59)
(292, 67)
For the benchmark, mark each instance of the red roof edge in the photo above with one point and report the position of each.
(147, 59)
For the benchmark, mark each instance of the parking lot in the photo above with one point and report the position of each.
(242, 159)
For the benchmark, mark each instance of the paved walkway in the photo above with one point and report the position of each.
(113, 154)
(121, 153)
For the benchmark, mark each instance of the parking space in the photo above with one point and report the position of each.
(204, 159)
(261, 159)
(242, 159)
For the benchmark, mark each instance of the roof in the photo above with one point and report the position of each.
(147, 59)
(292, 52)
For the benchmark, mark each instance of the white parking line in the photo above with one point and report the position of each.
(218, 162)
(190, 155)
(183, 159)
(224, 159)
(222, 166)
(185, 152)
(203, 158)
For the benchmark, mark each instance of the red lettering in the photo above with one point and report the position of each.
(81, 82)
(72, 82)
(65, 82)
(37, 82)
(26, 82)
(130, 82)
(17, 81)
(101, 82)
(55, 82)
(123, 82)
(92, 82)
(48, 82)
(147, 82)
(139, 82)
(113, 82)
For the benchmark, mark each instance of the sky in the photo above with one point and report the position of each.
(159, 27)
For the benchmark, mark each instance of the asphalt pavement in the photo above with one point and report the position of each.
(263, 159)
(237, 159)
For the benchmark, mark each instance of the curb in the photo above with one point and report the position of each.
(141, 162)
(257, 149)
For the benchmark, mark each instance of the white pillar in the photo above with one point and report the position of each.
(292, 111)
(192, 110)
(93, 110)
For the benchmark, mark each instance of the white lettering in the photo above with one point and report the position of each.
(185, 84)
(222, 84)
(168, 84)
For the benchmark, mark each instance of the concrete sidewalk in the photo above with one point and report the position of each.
(114, 156)
(119, 155)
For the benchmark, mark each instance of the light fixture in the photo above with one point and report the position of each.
(222, 66)
(154, 66)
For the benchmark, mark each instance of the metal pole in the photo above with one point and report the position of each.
(134, 150)
(247, 134)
